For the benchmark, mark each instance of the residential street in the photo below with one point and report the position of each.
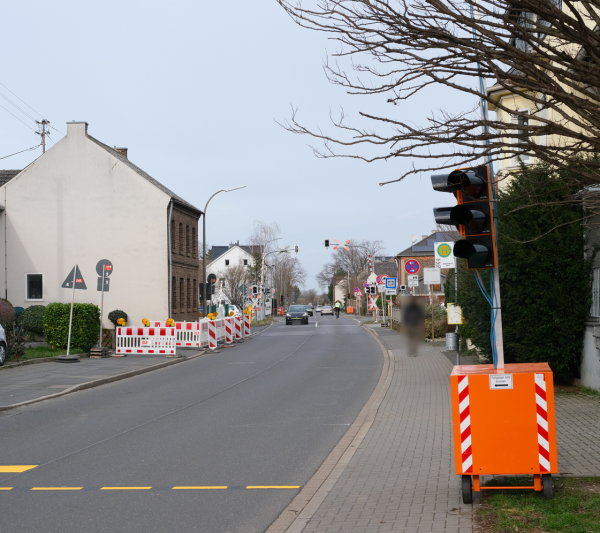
(217, 443)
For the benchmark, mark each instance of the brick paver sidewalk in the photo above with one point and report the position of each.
(401, 478)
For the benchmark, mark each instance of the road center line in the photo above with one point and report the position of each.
(273, 486)
(56, 488)
(125, 488)
(16, 468)
(200, 487)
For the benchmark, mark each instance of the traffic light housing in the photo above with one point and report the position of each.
(473, 215)
(326, 243)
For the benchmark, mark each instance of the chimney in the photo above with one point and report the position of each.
(122, 151)
(75, 128)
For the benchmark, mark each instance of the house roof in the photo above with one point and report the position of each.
(217, 251)
(121, 157)
(7, 175)
(424, 247)
(389, 268)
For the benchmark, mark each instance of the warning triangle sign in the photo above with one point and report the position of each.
(74, 275)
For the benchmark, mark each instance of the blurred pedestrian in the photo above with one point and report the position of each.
(413, 319)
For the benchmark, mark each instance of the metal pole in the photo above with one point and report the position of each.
(71, 313)
(101, 307)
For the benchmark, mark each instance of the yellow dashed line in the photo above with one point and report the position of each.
(273, 487)
(6, 488)
(16, 468)
(125, 488)
(200, 487)
(56, 488)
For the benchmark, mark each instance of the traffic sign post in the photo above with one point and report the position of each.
(412, 266)
(73, 281)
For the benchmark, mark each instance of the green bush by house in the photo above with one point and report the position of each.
(86, 324)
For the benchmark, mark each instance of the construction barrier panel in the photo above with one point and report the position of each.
(145, 341)
(228, 330)
(246, 325)
(237, 327)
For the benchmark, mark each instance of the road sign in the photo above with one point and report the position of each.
(74, 276)
(431, 276)
(372, 279)
(391, 283)
(104, 266)
(412, 266)
(444, 258)
(413, 280)
(391, 292)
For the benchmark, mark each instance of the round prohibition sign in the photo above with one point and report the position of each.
(412, 266)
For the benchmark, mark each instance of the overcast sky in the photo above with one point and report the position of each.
(194, 90)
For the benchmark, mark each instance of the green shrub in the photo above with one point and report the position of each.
(113, 316)
(86, 324)
(32, 320)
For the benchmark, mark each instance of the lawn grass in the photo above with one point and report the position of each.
(575, 508)
(37, 352)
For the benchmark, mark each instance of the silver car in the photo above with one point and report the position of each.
(326, 310)
(2, 346)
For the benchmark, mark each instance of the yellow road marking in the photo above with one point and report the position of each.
(6, 488)
(125, 488)
(56, 488)
(16, 468)
(273, 487)
(200, 487)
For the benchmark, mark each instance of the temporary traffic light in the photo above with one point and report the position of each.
(473, 215)
(326, 243)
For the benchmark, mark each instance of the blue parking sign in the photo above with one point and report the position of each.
(391, 283)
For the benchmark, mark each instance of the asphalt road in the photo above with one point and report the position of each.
(220, 443)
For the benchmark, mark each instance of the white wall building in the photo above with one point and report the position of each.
(81, 202)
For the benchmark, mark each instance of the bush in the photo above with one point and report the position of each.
(32, 320)
(86, 325)
(7, 314)
(113, 316)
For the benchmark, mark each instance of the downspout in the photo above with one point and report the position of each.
(170, 259)
(5, 250)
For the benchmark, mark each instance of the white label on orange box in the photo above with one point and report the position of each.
(501, 381)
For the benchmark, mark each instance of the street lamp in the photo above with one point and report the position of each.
(204, 244)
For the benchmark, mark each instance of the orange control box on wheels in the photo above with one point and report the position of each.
(504, 424)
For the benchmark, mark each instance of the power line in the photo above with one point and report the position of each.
(17, 107)
(18, 118)
(21, 100)
(26, 150)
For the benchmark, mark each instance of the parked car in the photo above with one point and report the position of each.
(318, 308)
(3, 346)
(326, 310)
(296, 313)
(310, 310)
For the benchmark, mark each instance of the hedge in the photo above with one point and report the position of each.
(85, 330)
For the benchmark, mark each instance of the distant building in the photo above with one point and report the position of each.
(81, 202)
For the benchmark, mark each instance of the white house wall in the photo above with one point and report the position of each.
(78, 204)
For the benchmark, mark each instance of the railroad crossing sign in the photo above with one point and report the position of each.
(412, 266)
(74, 280)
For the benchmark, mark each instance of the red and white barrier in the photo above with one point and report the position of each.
(212, 335)
(145, 341)
(228, 324)
(246, 325)
(237, 324)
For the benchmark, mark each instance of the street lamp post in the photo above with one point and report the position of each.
(204, 244)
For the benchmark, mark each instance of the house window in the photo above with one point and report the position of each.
(595, 310)
(226, 262)
(181, 294)
(194, 243)
(189, 294)
(35, 287)
(181, 238)
(245, 262)
(187, 241)
(521, 130)
(172, 235)
(174, 293)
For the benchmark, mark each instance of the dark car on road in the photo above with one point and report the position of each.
(296, 313)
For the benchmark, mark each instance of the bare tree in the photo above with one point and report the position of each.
(288, 275)
(544, 51)
(235, 278)
(351, 262)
